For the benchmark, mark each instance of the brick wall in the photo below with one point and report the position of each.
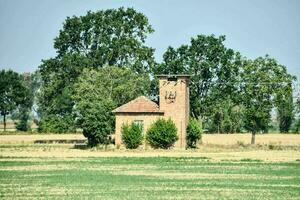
(174, 101)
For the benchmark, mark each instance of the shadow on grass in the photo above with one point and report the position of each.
(59, 141)
(82, 146)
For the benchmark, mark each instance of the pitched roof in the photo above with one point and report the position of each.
(139, 105)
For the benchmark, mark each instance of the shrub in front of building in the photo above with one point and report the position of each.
(132, 135)
(162, 134)
(193, 133)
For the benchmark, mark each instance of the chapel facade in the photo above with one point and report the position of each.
(173, 104)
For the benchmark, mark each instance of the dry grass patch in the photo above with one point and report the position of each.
(27, 139)
(262, 139)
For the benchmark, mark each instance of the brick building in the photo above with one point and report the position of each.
(173, 103)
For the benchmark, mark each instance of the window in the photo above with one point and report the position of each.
(140, 123)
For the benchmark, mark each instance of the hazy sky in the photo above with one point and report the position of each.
(253, 27)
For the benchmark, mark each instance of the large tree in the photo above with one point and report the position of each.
(98, 92)
(103, 38)
(213, 69)
(12, 93)
(263, 79)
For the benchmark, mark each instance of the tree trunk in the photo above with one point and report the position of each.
(253, 138)
(4, 122)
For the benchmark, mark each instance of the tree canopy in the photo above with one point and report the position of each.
(98, 92)
(263, 81)
(113, 37)
(209, 63)
(229, 92)
(13, 93)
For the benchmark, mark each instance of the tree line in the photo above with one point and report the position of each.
(102, 62)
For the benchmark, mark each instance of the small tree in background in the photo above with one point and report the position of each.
(162, 134)
(132, 135)
(285, 108)
(22, 124)
(296, 124)
(12, 93)
(194, 131)
(24, 109)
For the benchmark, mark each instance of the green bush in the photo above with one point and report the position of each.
(132, 135)
(296, 126)
(162, 134)
(57, 124)
(22, 125)
(194, 132)
(97, 124)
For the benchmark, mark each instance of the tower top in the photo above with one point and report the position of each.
(173, 75)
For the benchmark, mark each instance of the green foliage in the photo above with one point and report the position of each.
(285, 107)
(113, 37)
(296, 123)
(57, 124)
(227, 117)
(162, 134)
(98, 92)
(24, 109)
(214, 71)
(194, 131)
(296, 126)
(22, 124)
(262, 79)
(227, 91)
(210, 63)
(13, 93)
(94, 41)
(132, 135)
(57, 87)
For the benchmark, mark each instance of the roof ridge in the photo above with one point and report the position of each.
(140, 104)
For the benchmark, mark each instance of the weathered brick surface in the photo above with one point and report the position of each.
(178, 108)
(173, 104)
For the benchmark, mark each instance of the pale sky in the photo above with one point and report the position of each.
(253, 27)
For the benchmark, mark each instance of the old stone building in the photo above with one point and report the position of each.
(173, 104)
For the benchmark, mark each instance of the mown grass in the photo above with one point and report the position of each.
(147, 178)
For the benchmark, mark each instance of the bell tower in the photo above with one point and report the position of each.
(174, 101)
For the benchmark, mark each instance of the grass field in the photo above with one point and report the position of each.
(147, 178)
(221, 168)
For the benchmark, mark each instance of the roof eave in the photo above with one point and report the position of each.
(143, 112)
(173, 75)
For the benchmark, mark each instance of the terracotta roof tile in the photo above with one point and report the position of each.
(139, 105)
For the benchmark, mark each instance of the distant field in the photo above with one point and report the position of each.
(147, 178)
(217, 139)
(230, 139)
(11, 126)
(216, 147)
